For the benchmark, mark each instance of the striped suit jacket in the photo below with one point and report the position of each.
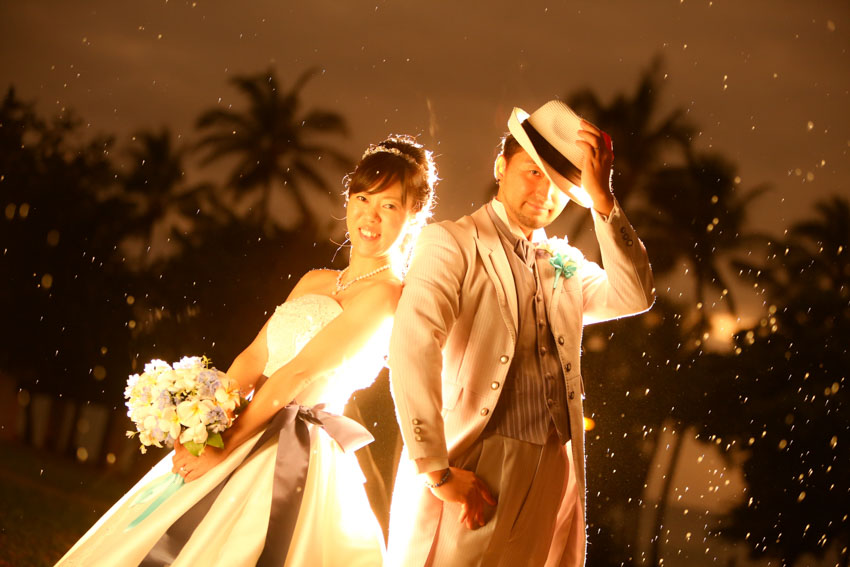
(452, 343)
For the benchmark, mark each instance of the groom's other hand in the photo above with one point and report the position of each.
(465, 488)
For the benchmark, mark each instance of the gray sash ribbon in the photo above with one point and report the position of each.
(290, 475)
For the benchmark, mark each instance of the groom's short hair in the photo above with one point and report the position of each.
(509, 146)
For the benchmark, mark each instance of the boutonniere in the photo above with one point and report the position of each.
(563, 258)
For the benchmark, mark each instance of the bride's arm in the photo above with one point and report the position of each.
(247, 368)
(338, 341)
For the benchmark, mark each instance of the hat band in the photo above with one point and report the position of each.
(552, 156)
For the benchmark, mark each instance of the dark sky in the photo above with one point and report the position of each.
(766, 80)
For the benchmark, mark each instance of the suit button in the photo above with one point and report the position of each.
(542, 323)
(484, 411)
(417, 430)
(418, 438)
(561, 340)
(415, 421)
(572, 394)
(543, 350)
(550, 402)
(569, 366)
(550, 377)
(504, 359)
(494, 385)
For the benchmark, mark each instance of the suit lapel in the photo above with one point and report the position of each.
(551, 292)
(497, 266)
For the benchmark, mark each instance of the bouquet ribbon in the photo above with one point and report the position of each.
(291, 426)
(159, 491)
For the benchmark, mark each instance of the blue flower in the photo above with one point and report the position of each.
(564, 266)
(563, 257)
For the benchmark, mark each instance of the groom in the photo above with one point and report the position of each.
(485, 351)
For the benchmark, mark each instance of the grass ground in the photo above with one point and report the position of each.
(47, 501)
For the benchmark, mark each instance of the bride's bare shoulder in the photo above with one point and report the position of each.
(320, 281)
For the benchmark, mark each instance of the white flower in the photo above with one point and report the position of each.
(131, 385)
(170, 423)
(560, 246)
(156, 366)
(184, 379)
(196, 434)
(192, 412)
(193, 363)
(227, 395)
(145, 439)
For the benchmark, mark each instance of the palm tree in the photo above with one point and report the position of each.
(636, 375)
(62, 288)
(697, 214)
(274, 144)
(792, 398)
(823, 242)
(156, 184)
(645, 139)
(642, 141)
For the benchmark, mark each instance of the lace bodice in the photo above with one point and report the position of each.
(295, 323)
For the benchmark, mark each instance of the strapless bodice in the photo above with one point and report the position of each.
(295, 323)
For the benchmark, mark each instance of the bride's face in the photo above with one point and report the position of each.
(376, 221)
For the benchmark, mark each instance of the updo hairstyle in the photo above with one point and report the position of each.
(398, 158)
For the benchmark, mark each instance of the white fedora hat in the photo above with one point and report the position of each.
(549, 136)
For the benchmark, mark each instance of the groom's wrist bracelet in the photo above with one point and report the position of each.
(440, 482)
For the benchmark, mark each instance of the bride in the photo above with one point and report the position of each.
(284, 491)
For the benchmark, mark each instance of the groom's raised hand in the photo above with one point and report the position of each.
(465, 488)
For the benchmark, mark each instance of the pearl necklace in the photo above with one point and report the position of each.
(340, 287)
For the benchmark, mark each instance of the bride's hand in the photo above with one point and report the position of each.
(192, 468)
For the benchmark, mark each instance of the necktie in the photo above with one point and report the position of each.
(525, 250)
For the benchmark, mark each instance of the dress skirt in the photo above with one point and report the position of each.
(335, 525)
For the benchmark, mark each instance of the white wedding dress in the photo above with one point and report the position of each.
(335, 525)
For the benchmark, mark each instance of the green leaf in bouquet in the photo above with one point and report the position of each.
(194, 448)
(215, 440)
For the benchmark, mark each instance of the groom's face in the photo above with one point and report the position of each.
(530, 199)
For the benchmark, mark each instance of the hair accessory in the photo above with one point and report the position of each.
(440, 482)
(394, 151)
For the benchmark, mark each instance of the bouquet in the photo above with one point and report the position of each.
(188, 400)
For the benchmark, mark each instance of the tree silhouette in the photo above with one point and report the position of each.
(63, 290)
(275, 144)
(636, 378)
(157, 188)
(642, 140)
(693, 215)
(790, 377)
(696, 214)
